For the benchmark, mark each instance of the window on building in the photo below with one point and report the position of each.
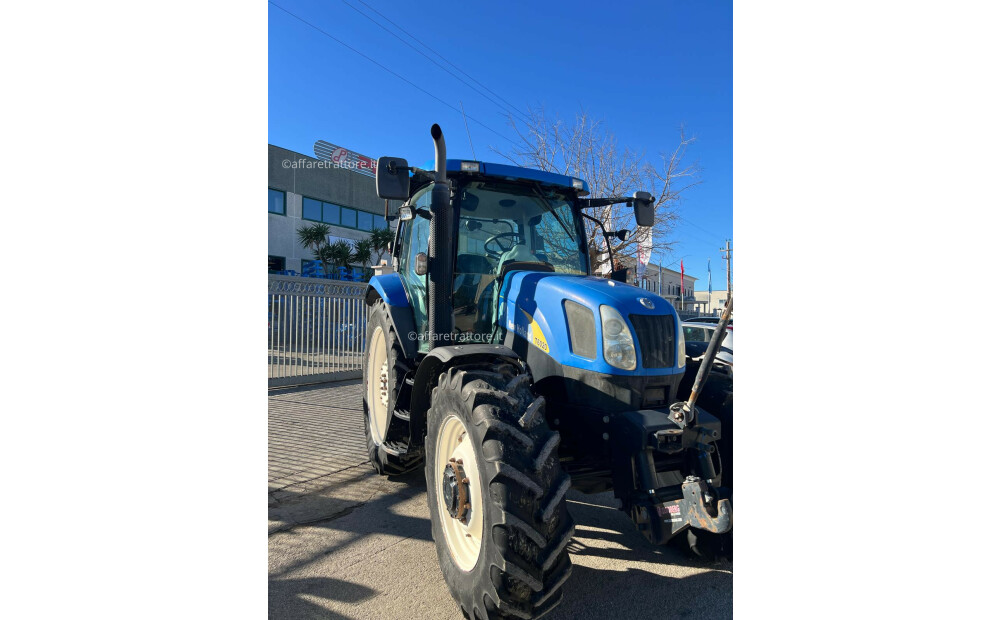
(275, 201)
(275, 263)
(319, 211)
(312, 209)
(329, 213)
(348, 218)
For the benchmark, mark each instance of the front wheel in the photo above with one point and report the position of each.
(385, 400)
(497, 494)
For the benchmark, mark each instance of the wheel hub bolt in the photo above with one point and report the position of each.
(455, 490)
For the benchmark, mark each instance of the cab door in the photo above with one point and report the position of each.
(414, 238)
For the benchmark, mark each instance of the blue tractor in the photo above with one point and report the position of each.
(498, 362)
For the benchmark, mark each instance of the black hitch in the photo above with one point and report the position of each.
(661, 512)
(698, 506)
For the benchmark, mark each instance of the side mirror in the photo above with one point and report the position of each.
(392, 178)
(623, 235)
(643, 205)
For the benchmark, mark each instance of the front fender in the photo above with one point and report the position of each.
(389, 288)
(436, 362)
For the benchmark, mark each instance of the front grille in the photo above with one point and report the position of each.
(656, 339)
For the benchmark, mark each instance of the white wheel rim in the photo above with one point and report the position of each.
(378, 387)
(464, 537)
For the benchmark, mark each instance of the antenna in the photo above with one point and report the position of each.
(467, 130)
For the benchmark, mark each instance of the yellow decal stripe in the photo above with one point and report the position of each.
(537, 337)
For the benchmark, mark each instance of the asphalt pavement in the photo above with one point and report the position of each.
(346, 543)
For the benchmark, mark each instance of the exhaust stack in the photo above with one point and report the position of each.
(440, 158)
(440, 249)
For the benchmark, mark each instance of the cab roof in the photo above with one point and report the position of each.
(507, 171)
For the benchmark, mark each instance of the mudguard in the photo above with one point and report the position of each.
(436, 362)
(389, 287)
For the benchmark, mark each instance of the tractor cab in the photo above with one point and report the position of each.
(504, 219)
(502, 224)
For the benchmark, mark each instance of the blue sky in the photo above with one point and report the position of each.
(645, 68)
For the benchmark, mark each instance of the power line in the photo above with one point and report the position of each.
(411, 46)
(375, 62)
(694, 235)
(690, 223)
(512, 106)
(469, 133)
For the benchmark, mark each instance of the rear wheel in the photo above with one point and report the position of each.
(386, 398)
(497, 494)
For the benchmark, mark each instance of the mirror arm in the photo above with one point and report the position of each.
(593, 203)
(604, 231)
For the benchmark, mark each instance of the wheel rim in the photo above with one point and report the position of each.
(378, 387)
(462, 525)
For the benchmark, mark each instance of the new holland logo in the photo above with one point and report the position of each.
(646, 302)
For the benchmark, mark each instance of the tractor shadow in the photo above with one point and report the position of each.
(617, 572)
(289, 598)
(636, 593)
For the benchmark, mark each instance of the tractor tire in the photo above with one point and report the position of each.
(497, 494)
(386, 397)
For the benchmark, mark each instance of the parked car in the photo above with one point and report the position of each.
(714, 320)
(697, 335)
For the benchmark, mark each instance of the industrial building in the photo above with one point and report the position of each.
(303, 190)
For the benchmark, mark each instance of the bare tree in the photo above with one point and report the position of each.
(589, 151)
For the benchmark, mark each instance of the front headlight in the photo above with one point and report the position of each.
(681, 348)
(618, 348)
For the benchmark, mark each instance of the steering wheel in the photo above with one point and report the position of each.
(495, 239)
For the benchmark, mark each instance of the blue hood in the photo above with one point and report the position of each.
(531, 304)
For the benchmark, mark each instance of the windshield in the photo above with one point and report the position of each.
(520, 226)
(507, 222)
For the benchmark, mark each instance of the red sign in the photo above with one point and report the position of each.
(344, 158)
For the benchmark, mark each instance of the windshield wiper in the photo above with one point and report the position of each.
(545, 202)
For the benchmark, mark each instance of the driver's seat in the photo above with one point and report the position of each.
(518, 258)
(473, 274)
(519, 253)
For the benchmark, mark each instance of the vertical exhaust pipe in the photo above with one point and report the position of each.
(440, 250)
(440, 159)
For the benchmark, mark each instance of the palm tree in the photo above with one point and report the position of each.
(337, 254)
(363, 254)
(381, 238)
(314, 237)
(363, 251)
